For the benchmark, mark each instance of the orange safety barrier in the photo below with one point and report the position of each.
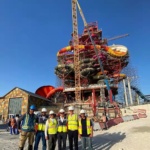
(102, 125)
(142, 115)
(111, 123)
(135, 117)
(140, 111)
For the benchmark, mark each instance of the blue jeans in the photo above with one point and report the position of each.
(39, 135)
(12, 130)
(85, 140)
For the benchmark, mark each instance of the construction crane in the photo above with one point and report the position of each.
(77, 59)
(96, 51)
(76, 51)
(117, 37)
(114, 38)
(111, 98)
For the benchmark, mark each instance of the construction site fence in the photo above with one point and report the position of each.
(115, 121)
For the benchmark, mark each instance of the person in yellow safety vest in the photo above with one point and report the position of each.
(62, 130)
(72, 128)
(40, 122)
(51, 131)
(85, 131)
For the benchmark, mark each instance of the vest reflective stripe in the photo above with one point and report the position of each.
(41, 127)
(87, 126)
(52, 127)
(73, 122)
(26, 126)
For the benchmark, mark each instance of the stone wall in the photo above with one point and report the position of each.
(1, 107)
(4, 104)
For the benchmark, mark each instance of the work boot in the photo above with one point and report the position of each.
(30, 147)
(20, 148)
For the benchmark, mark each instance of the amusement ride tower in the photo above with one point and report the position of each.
(89, 68)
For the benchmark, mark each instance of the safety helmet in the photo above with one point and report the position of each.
(44, 110)
(51, 112)
(32, 107)
(71, 108)
(61, 111)
(82, 111)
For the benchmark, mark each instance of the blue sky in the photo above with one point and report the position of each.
(32, 31)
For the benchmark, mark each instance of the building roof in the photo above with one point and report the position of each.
(29, 93)
(148, 97)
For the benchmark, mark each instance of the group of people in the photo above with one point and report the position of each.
(52, 128)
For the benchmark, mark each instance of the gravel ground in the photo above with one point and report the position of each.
(132, 135)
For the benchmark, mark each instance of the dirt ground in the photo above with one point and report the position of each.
(132, 135)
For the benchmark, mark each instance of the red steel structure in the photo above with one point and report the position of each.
(79, 69)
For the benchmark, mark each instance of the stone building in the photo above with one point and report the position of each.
(18, 100)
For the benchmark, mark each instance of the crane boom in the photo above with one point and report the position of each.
(76, 51)
(82, 15)
(117, 37)
(96, 51)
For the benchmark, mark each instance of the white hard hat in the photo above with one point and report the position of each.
(71, 108)
(44, 110)
(82, 111)
(51, 112)
(61, 111)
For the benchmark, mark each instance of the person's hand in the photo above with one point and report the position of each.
(79, 136)
(46, 137)
(91, 135)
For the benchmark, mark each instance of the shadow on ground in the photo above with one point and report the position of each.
(106, 141)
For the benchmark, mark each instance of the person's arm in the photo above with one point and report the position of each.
(46, 130)
(36, 119)
(79, 135)
(36, 123)
(19, 121)
(91, 126)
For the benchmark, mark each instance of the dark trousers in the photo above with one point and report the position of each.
(62, 137)
(52, 138)
(73, 136)
(39, 135)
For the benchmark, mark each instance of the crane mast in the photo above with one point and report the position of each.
(76, 51)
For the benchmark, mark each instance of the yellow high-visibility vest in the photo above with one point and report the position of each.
(52, 126)
(62, 126)
(88, 126)
(73, 122)
(41, 126)
(41, 123)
